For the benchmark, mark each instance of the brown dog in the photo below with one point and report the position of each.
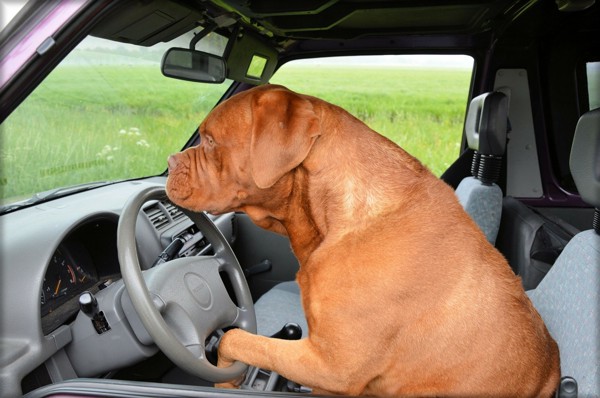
(402, 292)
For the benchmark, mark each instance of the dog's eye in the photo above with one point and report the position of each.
(210, 141)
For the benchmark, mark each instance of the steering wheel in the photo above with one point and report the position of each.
(188, 291)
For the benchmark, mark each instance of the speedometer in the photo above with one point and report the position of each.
(70, 271)
(60, 278)
(64, 279)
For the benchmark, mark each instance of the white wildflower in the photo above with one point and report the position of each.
(143, 143)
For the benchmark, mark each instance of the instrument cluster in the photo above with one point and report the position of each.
(85, 260)
(64, 279)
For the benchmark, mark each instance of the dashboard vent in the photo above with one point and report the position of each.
(174, 211)
(157, 216)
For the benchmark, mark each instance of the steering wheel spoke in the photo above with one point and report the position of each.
(192, 288)
(196, 301)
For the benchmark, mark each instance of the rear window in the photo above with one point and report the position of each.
(592, 70)
(417, 101)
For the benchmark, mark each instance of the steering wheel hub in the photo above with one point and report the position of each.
(199, 289)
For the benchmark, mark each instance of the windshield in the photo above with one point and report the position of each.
(106, 113)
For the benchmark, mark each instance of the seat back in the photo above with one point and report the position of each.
(568, 298)
(486, 128)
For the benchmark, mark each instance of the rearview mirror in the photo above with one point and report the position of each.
(192, 65)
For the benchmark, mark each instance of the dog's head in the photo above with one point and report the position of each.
(247, 144)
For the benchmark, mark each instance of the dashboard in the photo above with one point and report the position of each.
(87, 260)
(53, 252)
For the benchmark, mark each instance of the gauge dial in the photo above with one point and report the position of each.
(70, 271)
(82, 275)
(60, 277)
(61, 280)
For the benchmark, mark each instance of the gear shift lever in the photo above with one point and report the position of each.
(89, 306)
(289, 331)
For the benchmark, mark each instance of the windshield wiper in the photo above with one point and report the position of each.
(45, 196)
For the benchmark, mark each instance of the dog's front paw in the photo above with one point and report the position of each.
(224, 362)
(236, 383)
(227, 385)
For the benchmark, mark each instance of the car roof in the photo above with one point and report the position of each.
(295, 27)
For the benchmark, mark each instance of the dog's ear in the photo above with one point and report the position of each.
(284, 128)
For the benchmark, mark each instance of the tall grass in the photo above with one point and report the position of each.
(90, 123)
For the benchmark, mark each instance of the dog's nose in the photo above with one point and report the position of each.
(172, 161)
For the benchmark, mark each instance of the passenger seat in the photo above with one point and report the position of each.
(486, 128)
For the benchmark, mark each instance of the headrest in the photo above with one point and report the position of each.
(585, 157)
(486, 124)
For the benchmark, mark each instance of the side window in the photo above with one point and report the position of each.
(132, 116)
(592, 70)
(417, 101)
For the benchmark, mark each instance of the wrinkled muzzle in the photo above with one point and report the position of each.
(179, 182)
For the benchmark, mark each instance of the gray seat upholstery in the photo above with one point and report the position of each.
(486, 128)
(483, 202)
(568, 298)
(279, 306)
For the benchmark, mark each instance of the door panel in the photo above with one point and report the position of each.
(255, 247)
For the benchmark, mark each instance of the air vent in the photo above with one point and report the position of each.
(174, 211)
(157, 217)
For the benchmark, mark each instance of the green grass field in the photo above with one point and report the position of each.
(96, 123)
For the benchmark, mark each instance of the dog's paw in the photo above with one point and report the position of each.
(223, 362)
(228, 384)
(236, 383)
